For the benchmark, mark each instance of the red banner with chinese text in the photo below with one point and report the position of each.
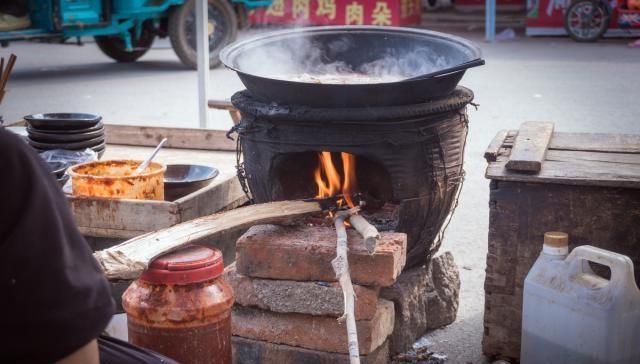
(339, 12)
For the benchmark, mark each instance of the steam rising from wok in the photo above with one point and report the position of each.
(305, 59)
(350, 66)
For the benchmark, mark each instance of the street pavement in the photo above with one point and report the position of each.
(580, 87)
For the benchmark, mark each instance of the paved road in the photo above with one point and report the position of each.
(581, 87)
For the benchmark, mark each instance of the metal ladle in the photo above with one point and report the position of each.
(147, 161)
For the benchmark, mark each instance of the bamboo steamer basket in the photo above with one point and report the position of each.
(112, 179)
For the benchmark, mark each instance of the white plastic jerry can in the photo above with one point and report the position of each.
(572, 315)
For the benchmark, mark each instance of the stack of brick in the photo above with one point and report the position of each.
(288, 300)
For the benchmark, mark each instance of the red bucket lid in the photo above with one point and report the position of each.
(188, 265)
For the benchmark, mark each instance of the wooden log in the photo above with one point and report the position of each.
(226, 105)
(129, 259)
(369, 232)
(221, 105)
(530, 146)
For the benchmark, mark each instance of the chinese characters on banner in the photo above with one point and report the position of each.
(339, 12)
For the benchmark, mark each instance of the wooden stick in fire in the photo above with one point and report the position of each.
(369, 232)
(340, 265)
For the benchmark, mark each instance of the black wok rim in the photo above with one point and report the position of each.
(228, 54)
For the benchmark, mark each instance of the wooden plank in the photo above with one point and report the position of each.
(599, 142)
(102, 216)
(92, 232)
(129, 259)
(491, 153)
(594, 142)
(572, 172)
(184, 138)
(221, 105)
(511, 136)
(530, 146)
(570, 155)
(211, 199)
(226, 105)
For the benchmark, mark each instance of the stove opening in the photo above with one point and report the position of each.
(326, 174)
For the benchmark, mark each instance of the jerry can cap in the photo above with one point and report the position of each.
(191, 264)
(556, 239)
(556, 243)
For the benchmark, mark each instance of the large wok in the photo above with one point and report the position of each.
(263, 63)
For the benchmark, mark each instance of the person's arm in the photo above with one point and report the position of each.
(55, 299)
(87, 354)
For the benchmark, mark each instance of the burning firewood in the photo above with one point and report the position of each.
(129, 259)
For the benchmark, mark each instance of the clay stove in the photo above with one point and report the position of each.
(408, 159)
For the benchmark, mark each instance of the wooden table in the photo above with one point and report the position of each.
(587, 185)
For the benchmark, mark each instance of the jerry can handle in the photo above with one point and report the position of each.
(621, 265)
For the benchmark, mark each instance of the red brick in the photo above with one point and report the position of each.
(304, 253)
(246, 351)
(311, 298)
(312, 332)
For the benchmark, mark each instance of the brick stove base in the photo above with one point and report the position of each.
(287, 300)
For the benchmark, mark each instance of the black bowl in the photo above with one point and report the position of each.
(62, 121)
(41, 137)
(183, 179)
(98, 126)
(91, 143)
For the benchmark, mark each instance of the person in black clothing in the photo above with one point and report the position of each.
(54, 300)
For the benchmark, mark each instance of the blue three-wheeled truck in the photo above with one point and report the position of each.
(125, 29)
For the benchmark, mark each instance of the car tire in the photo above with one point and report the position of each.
(113, 45)
(183, 37)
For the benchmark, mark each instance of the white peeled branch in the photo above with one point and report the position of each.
(369, 232)
(340, 265)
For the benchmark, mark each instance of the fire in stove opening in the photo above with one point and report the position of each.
(329, 181)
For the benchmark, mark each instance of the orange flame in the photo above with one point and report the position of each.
(329, 181)
(350, 185)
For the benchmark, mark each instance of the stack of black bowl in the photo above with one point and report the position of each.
(69, 131)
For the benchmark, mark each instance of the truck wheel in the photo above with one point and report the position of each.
(223, 29)
(113, 45)
(586, 20)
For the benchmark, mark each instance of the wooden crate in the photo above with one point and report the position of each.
(588, 186)
(119, 219)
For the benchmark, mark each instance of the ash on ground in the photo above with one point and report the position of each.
(420, 356)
